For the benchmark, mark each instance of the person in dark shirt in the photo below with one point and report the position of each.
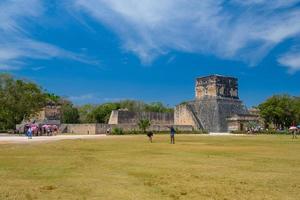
(150, 135)
(172, 134)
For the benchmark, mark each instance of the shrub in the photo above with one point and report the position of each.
(117, 131)
(144, 124)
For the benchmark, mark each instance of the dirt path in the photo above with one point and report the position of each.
(23, 139)
(5, 138)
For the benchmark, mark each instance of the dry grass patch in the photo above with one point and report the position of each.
(128, 167)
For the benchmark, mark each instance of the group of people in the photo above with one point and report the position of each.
(36, 130)
(172, 135)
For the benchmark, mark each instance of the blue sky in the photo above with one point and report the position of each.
(95, 51)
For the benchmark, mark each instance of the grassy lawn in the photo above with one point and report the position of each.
(128, 167)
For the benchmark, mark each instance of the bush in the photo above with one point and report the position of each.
(117, 131)
(144, 124)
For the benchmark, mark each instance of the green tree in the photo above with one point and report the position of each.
(280, 110)
(133, 105)
(53, 98)
(85, 113)
(102, 112)
(157, 107)
(69, 114)
(19, 100)
(144, 124)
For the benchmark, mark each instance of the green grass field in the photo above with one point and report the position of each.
(128, 167)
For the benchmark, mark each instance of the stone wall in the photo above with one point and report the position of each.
(241, 122)
(102, 128)
(126, 117)
(182, 116)
(88, 129)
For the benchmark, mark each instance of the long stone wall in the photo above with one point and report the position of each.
(88, 129)
(102, 128)
(126, 117)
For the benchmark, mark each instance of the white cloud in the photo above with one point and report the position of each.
(266, 4)
(93, 98)
(16, 44)
(291, 60)
(82, 97)
(12, 12)
(244, 30)
(85, 98)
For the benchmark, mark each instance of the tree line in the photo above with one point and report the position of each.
(281, 111)
(20, 99)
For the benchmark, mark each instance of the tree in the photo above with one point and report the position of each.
(85, 113)
(19, 100)
(102, 112)
(144, 124)
(133, 105)
(280, 110)
(53, 98)
(69, 114)
(157, 107)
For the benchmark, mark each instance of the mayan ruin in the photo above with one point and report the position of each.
(216, 108)
(216, 103)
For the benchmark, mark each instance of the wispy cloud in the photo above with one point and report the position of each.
(291, 60)
(16, 43)
(238, 29)
(93, 98)
(85, 98)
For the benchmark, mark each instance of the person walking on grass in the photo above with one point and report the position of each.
(150, 135)
(172, 135)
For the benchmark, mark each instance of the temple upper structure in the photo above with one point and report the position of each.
(216, 86)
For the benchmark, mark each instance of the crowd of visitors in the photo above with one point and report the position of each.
(34, 129)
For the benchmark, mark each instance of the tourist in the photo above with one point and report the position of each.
(294, 134)
(172, 134)
(29, 132)
(48, 130)
(150, 135)
(293, 129)
(108, 131)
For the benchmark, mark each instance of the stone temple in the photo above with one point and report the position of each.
(216, 108)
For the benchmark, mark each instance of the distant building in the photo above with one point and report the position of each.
(216, 107)
(50, 115)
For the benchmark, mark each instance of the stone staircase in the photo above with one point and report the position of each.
(196, 120)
